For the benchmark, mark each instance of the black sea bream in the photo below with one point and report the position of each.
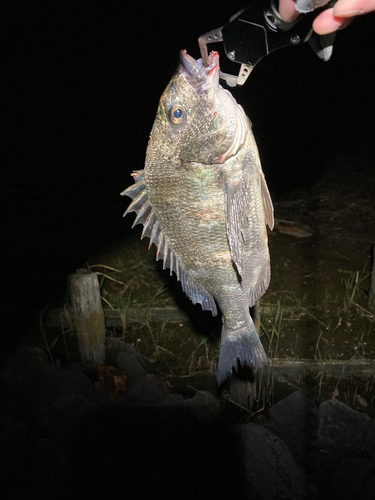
(203, 201)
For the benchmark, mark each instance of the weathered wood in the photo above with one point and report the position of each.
(88, 316)
(364, 368)
(371, 295)
(118, 317)
(292, 228)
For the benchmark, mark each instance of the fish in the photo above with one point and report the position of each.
(203, 201)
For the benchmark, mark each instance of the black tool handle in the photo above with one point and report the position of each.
(256, 31)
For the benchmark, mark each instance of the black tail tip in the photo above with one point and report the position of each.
(244, 350)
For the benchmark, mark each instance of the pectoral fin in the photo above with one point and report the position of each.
(267, 202)
(236, 208)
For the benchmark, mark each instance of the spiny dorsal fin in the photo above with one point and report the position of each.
(151, 228)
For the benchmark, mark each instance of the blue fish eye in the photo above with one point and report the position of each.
(178, 113)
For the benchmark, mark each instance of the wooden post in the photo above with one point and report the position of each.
(88, 316)
(371, 295)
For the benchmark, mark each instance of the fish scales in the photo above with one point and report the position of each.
(204, 203)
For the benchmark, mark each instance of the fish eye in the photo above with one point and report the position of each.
(178, 114)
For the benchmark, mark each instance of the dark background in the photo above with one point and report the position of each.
(80, 86)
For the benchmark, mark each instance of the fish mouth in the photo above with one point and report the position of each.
(204, 79)
(201, 78)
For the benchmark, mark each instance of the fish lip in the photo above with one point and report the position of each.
(201, 78)
(205, 79)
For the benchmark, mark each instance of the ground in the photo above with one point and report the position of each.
(317, 304)
(315, 308)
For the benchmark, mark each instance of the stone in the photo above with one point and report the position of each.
(131, 363)
(294, 420)
(35, 352)
(67, 384)
(201, 381)
(269, 468)
(370, 443)
(341, 430)
(114, 347)
(147, 390)
(204, 405)
(351, 478)
(50, 470)
(49, 461)
(72, 419)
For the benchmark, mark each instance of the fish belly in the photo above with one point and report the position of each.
(189, 204)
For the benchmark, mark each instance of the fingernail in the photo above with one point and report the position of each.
(347, 13)
(347, 8)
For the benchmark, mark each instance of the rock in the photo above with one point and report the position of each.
(131, 363)
(270, 470)
(50, 467)
(370, 444)
(21, 380)
(341, 430)
(115, 349)
(35, 352)
(205, 406)
(294, 420)
(67, 384)
(146, 390)
(17, 445)
(353, 479)
(173, 401)
(321, 467)
(282, 386)
(100, 392)
(72, 420)
(200, 381)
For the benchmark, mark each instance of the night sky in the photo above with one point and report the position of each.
(80, 85)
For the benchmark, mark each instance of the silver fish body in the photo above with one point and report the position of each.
(203, 201)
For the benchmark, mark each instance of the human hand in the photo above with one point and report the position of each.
(332, 19)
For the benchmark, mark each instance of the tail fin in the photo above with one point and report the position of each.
(240, 345)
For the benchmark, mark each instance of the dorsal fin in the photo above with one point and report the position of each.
(151, 228)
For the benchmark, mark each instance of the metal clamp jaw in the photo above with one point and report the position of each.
(217, 36)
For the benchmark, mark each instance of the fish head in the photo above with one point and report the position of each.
(197, 120)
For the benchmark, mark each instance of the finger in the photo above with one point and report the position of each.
(327, 22)
(287, 10)
(349, 8)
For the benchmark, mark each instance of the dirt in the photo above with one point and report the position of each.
(328, 273)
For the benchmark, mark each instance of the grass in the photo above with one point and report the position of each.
(290, 323)
(354, 284)
(286, 315)
(317, 354)
(52, 340)
(292, 326)
(275, 324)
(333, 325)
